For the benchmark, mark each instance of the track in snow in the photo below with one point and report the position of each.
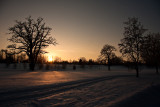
(21, 95)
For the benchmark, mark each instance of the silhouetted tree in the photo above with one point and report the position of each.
(82, 62)
(47, 66)
(41, 60)
(151, 50)
(31, 36)
(107, 53)
(90, 61)
(57, 60)
(101, 60)
(132, 41)
(8, 58)
(116, 60)
(2, 55)
(64, 64)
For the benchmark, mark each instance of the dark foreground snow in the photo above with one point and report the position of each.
(89, 88)
(103, 93)
(149, 97)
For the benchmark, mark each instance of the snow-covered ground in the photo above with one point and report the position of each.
(93, 86)
(20, 77)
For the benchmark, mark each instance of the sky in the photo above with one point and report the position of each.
(81, 27)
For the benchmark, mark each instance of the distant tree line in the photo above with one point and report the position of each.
(31, 36)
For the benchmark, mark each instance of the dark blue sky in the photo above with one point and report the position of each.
(81, 27)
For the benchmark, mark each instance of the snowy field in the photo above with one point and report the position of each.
(83, 87)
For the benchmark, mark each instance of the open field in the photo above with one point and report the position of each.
(83, 87)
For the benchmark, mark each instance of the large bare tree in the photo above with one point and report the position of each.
(31, 36)
(151, 50)
(132, 41)
(107, 53)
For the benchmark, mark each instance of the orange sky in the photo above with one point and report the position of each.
(81, 27)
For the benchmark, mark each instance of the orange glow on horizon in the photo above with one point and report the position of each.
(50, 59)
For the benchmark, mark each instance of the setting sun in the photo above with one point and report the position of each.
(50, 59)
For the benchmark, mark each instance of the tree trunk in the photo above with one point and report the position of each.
(32, 66)
(109, 64)
(31, 63)
(137, 70)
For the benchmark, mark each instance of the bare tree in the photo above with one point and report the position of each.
(82, 61)
(101, 60)
(2, 55)
(116, 60)
(151, 50)
(57, 59)
(107, 53)
(31, 36)
(132, 41)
